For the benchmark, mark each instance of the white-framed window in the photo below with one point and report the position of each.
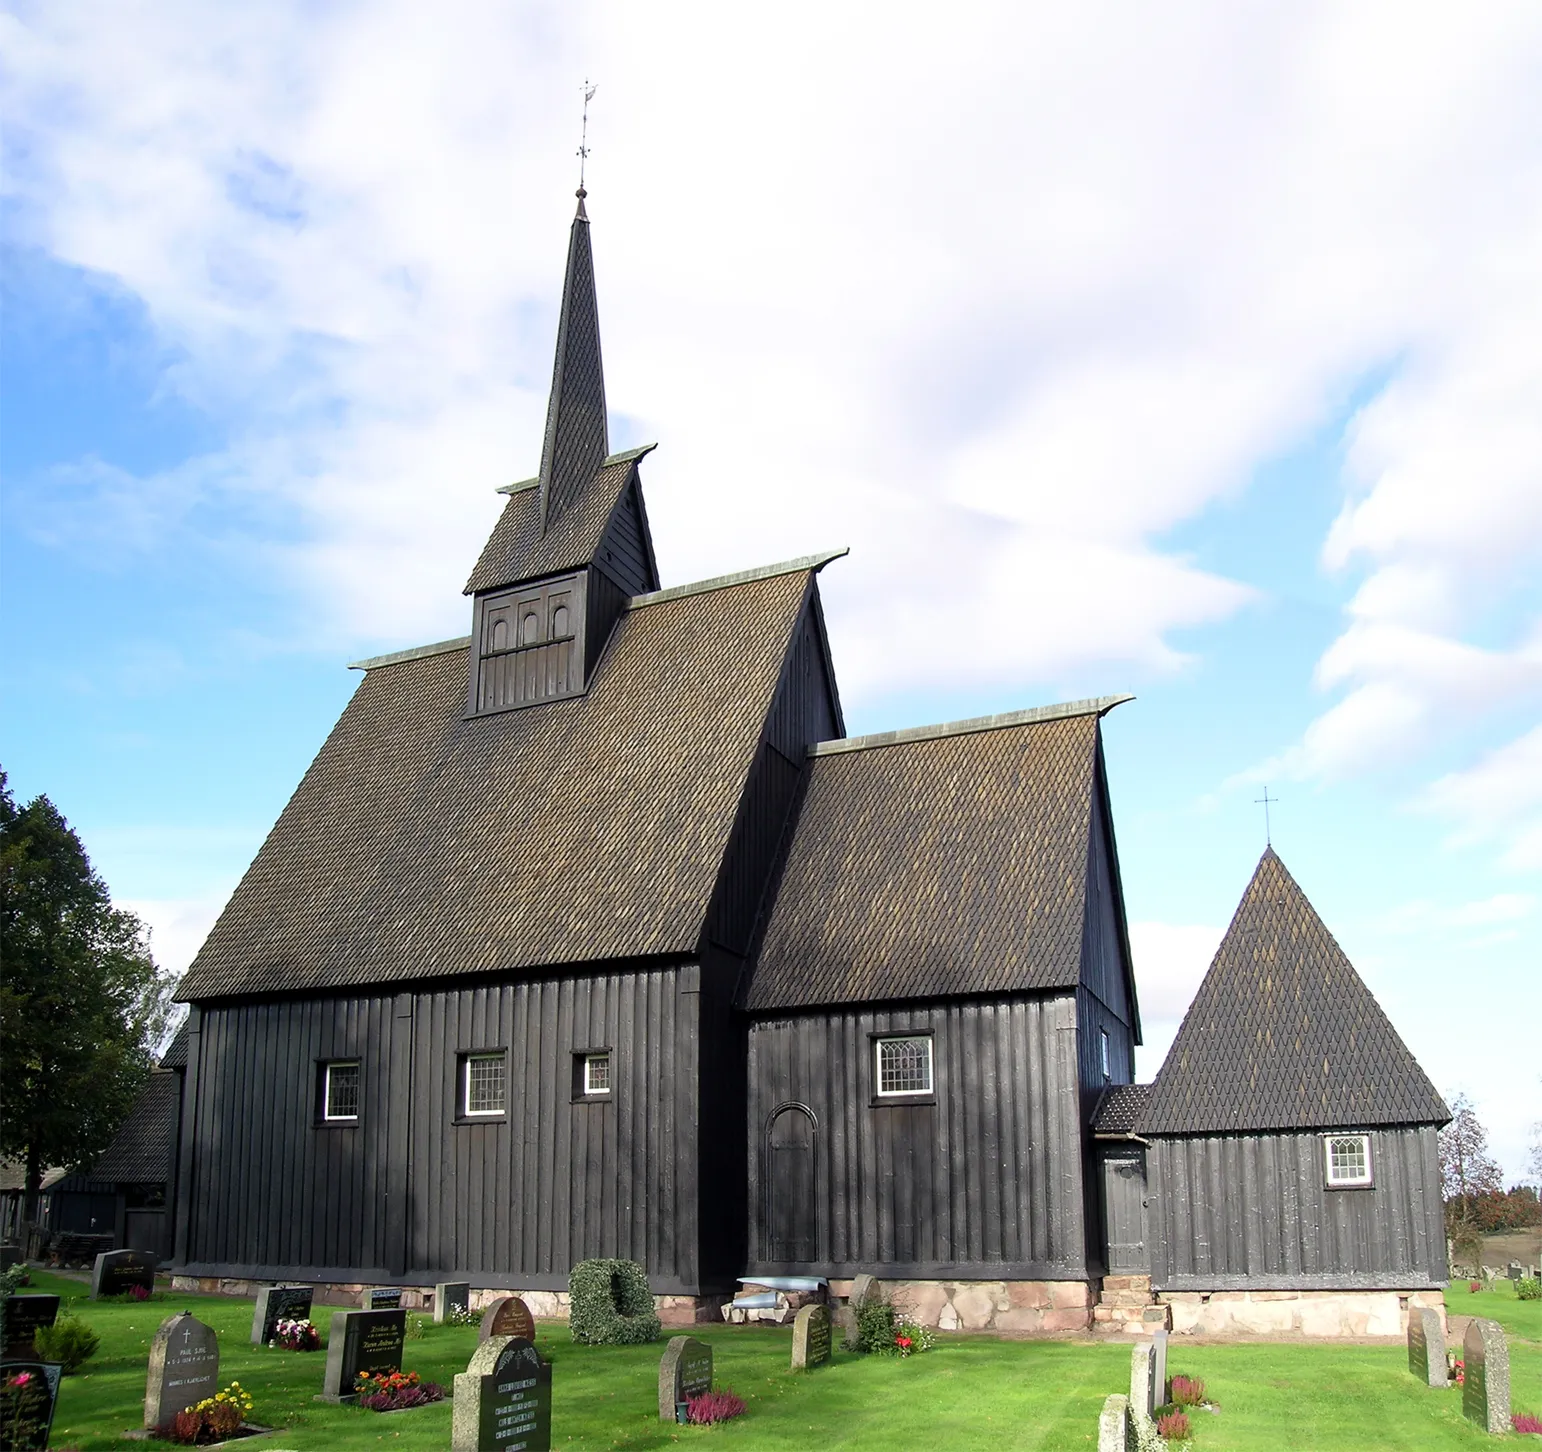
(1348, 1159)
(1103, 1054)
(340, 1091)
(904, 1065)
(484, 1084)
(597, 1074)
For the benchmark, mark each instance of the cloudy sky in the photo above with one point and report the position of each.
(1189, 351)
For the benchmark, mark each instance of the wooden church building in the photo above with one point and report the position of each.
(591, 933)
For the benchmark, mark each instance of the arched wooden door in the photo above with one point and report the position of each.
(791, 1214)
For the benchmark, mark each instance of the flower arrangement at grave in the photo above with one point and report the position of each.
(214, 1419)
(296, 1335)
(1174, 1427)
(1458, 1371)
(717, 1405)
(1172, 1418)
(883, 1331)
(395, 1391)
(462, 1316)
(1525, 1422)
(23, 1409)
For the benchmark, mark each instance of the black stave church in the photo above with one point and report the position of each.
(592, 934)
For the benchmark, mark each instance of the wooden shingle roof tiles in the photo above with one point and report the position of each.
(141, 1151)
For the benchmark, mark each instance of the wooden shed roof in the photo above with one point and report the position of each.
(423, 844)
(141, 1151)
(1283, 1033)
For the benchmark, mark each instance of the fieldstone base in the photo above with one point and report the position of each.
(1301, 1313)
(1028, 1307)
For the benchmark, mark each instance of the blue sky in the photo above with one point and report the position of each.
(1192, 356)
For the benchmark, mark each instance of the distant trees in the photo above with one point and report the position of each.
(82, 1007)
(1467, 1172)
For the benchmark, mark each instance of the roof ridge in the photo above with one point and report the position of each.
(1091, 706)
(742, 577)
(624, 457)
(416, 652)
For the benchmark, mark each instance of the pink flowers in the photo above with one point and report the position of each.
(21, 1378)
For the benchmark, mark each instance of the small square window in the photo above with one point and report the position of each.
(1349, 1159)
(483, 1085)
(596, 1074)
(340, 1091)
(904, 1066)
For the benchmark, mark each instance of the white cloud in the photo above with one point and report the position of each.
(1171, 960)
(177, 926)
(1498, 798)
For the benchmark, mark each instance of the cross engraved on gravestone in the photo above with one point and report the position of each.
(361, 1341)
(1427, 1347)
(30, 1412)
(451, 1296)
(380, 1298)
(184, 1368)
(685, 1371)
(810, 1338)
(117, 1271)
(279, 1303)
(503, 1399)
(1486, 1376)
(507, 1316)
(23, 1316)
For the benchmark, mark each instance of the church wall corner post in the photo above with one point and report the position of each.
(399, 1134)
(186, 1148)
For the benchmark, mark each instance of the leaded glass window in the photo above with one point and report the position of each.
(340, 1091)
(905, 1066)
(596, 1073)
(485, 1084)
(1349, 1159)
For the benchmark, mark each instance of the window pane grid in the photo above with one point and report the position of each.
(342, 1092)
(597, 1074)
(905, 1066)
(485, 1079)
(1349, 1160)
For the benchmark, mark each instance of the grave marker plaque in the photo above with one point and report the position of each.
(1427, 1347)
(184, 1368)
(503, 1399)
(279, 1303)
(810, 1338)
(685, 1371)
(23, 1316)
(380, 1298)
(507, 1316)
(30, 1416)
(117, 1271)
(1159, 1367)
(361, 1341)
(451, 1296)
(1486, 1376)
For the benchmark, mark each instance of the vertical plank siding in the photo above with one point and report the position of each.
(1254, 1212)
(416, 1191)
(624, 553)
(976, 1183)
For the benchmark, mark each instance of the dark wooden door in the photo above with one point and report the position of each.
(790, 1213)
(1124, 1210)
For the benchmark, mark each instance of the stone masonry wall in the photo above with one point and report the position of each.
(1301, 1313)
(1042, 1307)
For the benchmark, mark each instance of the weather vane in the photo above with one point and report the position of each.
(1265, 800)
(583, 144)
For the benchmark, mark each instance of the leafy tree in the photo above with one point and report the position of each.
(1467, 1173)
(81, 1004)
(1534, 1157)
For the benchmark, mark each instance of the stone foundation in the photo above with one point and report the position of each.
(1298, 1313)
(1026, 1307)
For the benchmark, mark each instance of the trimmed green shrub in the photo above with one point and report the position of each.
(875, 1325)
(611, 1304)
(1528, 1290)
(69, 1341)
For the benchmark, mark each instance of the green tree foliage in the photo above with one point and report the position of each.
(1467, 1174)
(82, 1007)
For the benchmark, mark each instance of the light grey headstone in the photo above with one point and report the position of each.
(451, 1296)
(184, 1368)
(1516, 1271)
(503, 1399)
(279, 1303)
(1427, 1347)
(810, 1338)
(1486, 1376)
(361, 1341)
(1143, 1397)
(1159, 1367)
(685, 1370)
(1114, 1425)
(862, 1289)
(117, 1271)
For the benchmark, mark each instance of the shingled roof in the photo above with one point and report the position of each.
(1120, 1107)
(141, 1152)
(936, 863)
(423, 844)
(1283, 1034)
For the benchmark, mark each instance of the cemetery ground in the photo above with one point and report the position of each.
(972, 1391)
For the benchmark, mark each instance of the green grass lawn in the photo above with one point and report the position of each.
(972, 1391)
(1521, 1319)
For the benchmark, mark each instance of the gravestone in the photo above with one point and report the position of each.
(863, 1289)
(451, 1296)
(503, 1399)
(279, 1303)
(507, 1316)
(685, 1371)
(9, 1255)
(1114, 1425)
(810, 1338)
(30, 1415)
(1144, 1398)
(380, 1298)
(23, 1316)
(1159, 1366)
(184, 1368)
(117, 1271)
(1427, 1347)
(1516, 1271)
(361, 1341)
(1486, 1376)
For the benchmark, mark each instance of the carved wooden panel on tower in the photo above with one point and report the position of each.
(530, 644)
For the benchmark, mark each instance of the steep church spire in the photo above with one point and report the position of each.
(576, 440)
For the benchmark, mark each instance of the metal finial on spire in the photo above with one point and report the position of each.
(1265, 801)
(583, 144)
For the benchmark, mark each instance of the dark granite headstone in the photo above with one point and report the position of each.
(507, 1316)
(1427, 1347)
(361, 1341)
(184, 1368)
(23, 1316)
(685, 1370)
(380, 1298)
(1486, 1376)
(117, 1271)
(810, 1338)
(279, 1303)
(451, 1296)
(9, 1255)
(503, 1399)
(30, 1414)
